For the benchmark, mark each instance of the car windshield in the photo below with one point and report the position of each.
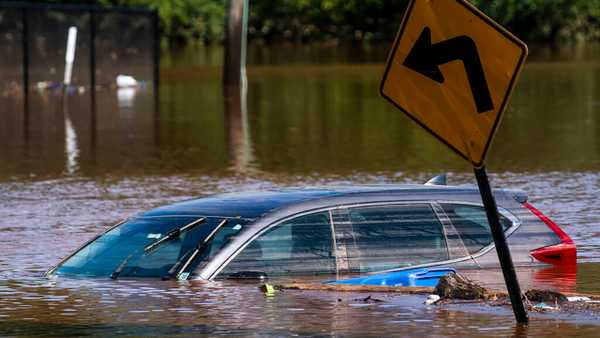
(122, 248)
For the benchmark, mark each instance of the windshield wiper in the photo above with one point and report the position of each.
(121, 266)
(176, 271)
(172, 234)
(150, 247)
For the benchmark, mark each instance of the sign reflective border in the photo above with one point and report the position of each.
(452, 70)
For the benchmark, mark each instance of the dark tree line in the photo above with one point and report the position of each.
(545, 21)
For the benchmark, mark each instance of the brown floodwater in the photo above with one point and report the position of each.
(312, 116)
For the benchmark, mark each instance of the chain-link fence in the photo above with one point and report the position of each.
(110, 42)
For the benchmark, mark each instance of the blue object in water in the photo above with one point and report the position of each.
(414, 277)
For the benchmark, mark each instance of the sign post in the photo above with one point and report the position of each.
(508, 269)
(452, 70)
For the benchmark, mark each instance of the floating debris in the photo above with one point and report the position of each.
(543, 307)
(412, 290)
(268, 289)
(455, 286)
(535, 295)
(432, 299)
(44, 85)
(457, 289)
(126, 81)
(370, 299)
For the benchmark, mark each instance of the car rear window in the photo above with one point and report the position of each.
(393, 236)
(472, 225)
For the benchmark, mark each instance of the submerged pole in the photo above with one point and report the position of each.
(234, 67)
(508, 269)
(25, 50)
(156, 59)
(156, 75)
(93, 58)
(92, 29)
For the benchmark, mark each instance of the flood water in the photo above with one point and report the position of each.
(313, 116)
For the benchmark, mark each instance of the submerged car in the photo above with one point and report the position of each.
(332, 231)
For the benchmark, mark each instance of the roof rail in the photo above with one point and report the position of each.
(437, 180)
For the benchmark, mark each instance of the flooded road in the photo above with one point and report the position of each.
(313, 116)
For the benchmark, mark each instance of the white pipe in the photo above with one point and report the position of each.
(70, 55)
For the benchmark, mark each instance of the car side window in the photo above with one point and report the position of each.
(394, 236)
(471, 223)
(301, 246)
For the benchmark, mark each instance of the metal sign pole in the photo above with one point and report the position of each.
(508, 269)
(465, 126)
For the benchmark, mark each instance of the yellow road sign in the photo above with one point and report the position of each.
(452, 69)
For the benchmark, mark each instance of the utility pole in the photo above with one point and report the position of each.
(234, 67)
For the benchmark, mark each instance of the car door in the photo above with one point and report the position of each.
(299, 246)
(384, 237)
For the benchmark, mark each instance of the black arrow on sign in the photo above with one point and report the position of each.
(425, 58)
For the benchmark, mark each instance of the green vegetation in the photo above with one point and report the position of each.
(184, 21)
(545, 21)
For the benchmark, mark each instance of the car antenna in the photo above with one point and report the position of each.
(437, 180)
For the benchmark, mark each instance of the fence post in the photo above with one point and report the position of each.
(92, 30)
(156, 57)
(93, 58)
(25, 50)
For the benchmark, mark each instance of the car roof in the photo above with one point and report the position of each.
(254, 204)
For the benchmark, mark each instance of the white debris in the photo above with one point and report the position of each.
(432, 299)
(578, 299)
(42, 85)
(124, 81)
(544, 307)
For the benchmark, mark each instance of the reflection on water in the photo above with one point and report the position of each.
(562, 279)
(71, 148)
(126, 97)
(64, 307)
(238, 130)
(300, 118)
(67, 172)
